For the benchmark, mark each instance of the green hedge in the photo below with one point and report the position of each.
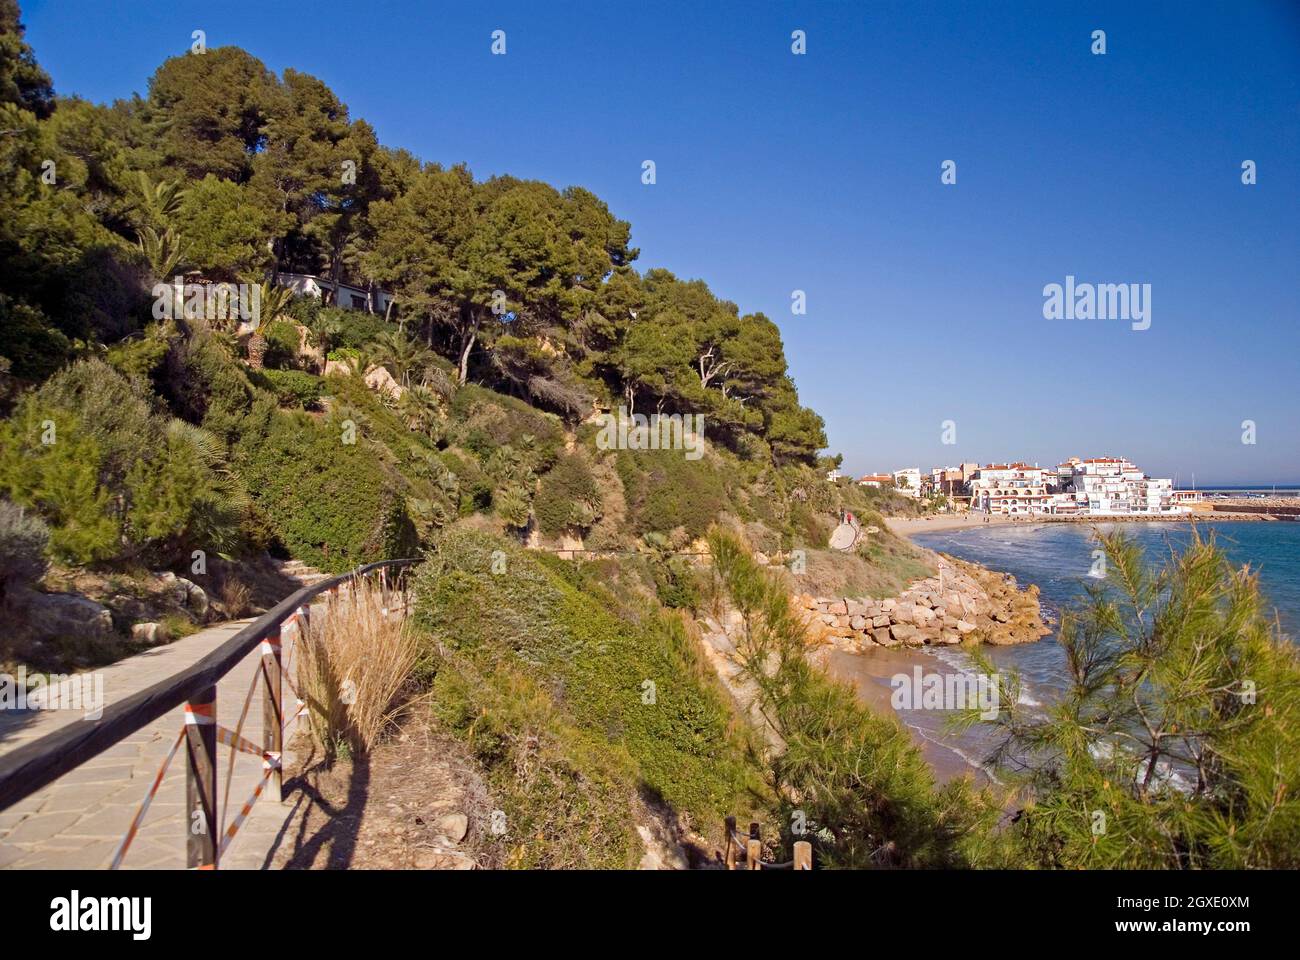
(293, 387)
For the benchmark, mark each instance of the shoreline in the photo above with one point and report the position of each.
(869, 674)
(910, 526)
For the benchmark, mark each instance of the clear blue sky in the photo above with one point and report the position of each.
(822, 173)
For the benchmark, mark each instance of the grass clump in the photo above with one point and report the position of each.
(353, 663)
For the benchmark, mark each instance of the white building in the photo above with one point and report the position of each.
(344, 295)
(908, 481)
(1013, 489)
(1115, 486)
(875, 480)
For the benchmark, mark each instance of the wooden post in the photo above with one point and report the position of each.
(201, 780)
(754, 848)
(729, 855)
(273, 713)
(802, 855)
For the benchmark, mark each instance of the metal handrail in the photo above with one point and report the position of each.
(34, 765)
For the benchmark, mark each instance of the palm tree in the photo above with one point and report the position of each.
(161, 246)
(272, 301)
(163, 251)
(419, 407)
(324, 328)
(402, 354)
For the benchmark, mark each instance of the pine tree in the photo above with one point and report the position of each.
(1177, 744)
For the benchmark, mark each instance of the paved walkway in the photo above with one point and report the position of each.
(78, 820)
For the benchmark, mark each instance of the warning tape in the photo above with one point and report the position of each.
(270, 763)
(144, 804)
(232, 739)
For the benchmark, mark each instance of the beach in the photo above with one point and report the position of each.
(909, 526)
(869, 674)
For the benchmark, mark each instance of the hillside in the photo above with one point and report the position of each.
(153, 421)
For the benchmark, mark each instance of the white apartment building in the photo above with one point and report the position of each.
(1115, 486)
(1013, 489)
(908, 482)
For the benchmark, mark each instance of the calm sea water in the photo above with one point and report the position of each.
(1057, 557)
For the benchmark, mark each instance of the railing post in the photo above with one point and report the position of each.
(754, 848)
(201, 779)
(273, 713)
(802, 855)
(729, 851)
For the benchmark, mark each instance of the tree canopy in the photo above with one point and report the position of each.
(228, 172)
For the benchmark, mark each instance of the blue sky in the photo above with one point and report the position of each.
(821, 173)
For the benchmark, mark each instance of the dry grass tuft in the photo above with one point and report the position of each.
(236, 597)
(357, 656)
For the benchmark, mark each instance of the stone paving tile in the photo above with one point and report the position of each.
(79, 820)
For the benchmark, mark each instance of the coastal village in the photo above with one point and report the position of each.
(1098, 486)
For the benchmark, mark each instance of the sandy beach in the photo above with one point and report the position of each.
(907, 526)
(869, 673)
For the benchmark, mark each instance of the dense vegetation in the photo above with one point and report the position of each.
(517, 314)
(586, 704)
(457, 422)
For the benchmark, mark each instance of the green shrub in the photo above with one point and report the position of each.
(212, 388)
(30, 340)
(282, 343)
(114, 479)
(353, 328)
(23, 539)
(140, 357)
(676, 584)
(293, 387)
(331, 503)
(488, 421)
(568, 497)
(664, 491)
(547, 682)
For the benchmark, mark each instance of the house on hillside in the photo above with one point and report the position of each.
(340, 294)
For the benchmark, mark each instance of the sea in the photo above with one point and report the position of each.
(1058, 558)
